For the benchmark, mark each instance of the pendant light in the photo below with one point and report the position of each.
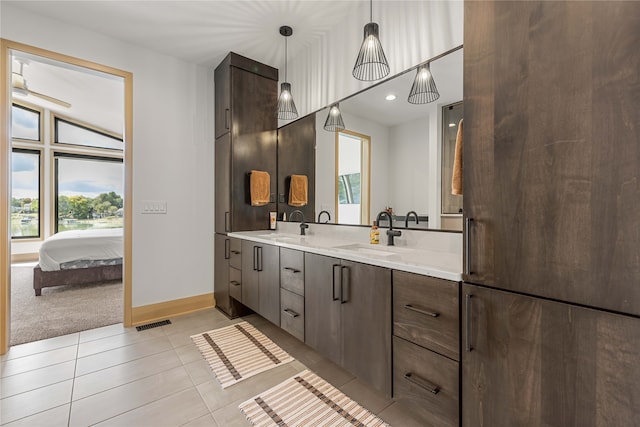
(286, 107)
(334, 120)
(424, 88)
(371, 63)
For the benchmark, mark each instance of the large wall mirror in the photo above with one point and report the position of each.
(390, 156)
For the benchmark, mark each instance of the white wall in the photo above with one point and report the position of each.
(410, 31)
(409, 167)
(172, 153)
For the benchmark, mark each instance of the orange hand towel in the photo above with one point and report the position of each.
(260, 186)
(298, 191)
(456, 179)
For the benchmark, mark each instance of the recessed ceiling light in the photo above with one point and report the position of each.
(452, 125)
(390, 97)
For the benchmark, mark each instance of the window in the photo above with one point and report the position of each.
(25, 123)
(25, 193)
(352, 180)
(88, 192)
(67, 132)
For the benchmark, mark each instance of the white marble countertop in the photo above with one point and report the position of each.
(433, 262)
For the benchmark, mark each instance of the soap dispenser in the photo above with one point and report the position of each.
(374, 234)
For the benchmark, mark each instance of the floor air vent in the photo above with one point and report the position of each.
(153, 325)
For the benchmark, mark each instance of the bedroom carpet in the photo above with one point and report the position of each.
(60, 310)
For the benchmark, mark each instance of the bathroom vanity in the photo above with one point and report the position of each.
(387, 314)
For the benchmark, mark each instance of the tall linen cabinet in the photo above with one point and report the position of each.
(246, 139)
(551, 303)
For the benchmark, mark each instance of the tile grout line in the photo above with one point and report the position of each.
(75, 367)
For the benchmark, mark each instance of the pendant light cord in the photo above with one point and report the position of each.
(285, 58)
(370, 10)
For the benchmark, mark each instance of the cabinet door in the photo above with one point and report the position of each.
(223, 184)
(250, 284)
(222, 113)
(535, 362)
(322, 305)
(221, 273)
(269, 282)
(366, 323)
(551, 153)
(254, 141)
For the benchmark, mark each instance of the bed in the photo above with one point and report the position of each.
(79, 257)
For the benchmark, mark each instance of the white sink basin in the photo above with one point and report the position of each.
(372, 250)
(280, 237)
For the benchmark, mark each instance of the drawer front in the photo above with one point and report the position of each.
(235, 259)
(235, 284)
(426, 312)
(292, 270)
(427, 382)
(292, 313)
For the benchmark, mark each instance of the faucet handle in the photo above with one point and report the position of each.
(303, 227)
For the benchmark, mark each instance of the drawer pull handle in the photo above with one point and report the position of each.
(422, 383)
(419, 310)
(290, 312)
(235, 283)
(235, 252)
(293, 270)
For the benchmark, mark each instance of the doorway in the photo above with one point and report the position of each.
(69, 133)
(352, 177)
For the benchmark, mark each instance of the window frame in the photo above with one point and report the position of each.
(365, 174)
(33, 108)
(56, 118)
(40, 152)
(55, 154)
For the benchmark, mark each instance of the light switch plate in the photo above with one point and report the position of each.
(154, 207)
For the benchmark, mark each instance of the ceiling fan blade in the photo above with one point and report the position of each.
(50, 99)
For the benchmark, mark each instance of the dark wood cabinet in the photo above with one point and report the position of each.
(246, 139)
(348, 316)
(427, 383)
(534, 362)
(261, 279)
(551, 153)
(297, 156)
(322, 306)
(221, 286)
(222, 195)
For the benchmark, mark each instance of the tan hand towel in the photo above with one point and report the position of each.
(456, 179)
(260, 186)
(298, 191)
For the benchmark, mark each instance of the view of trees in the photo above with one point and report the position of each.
(81, 207)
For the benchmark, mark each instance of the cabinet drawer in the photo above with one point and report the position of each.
(292, 270)
(426, 312)
(235, 257)
(235, 284)
(427, 382)
(292, 313)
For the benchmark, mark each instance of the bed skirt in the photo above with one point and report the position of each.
(74, 276)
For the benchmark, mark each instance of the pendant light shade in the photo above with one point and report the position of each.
(334, 120)
(286, 107)
(371, 63)
(424, 88)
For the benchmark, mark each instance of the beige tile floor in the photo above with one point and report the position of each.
(116, 376)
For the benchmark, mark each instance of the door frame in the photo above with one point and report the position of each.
(5, 176)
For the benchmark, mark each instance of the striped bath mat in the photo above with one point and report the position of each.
(238, 352)
(306, 400)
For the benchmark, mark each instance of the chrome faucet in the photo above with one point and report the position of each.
(303, 226)
(391, 233)
(406, 218)
(328, 216)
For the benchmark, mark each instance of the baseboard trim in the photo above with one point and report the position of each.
(163, 310)
(24, 257)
